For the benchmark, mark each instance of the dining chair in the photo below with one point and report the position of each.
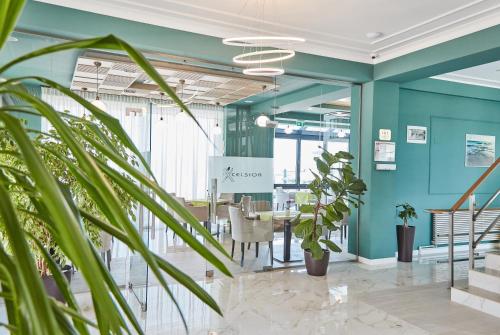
(280, 199)
(227, 196)
(344, 225)
(261, 205)
(250, 231)
(222, 213)
(105, 249)
(245, 203)
(301, 198)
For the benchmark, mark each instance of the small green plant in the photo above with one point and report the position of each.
(406, 212)
(334, 187)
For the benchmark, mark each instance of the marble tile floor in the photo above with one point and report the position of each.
(130, 268)
(352, 299)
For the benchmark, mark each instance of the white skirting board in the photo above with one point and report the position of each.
(431, 251)
(377, 261)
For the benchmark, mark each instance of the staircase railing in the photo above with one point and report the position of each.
(473, 216)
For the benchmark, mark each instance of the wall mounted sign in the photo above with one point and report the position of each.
(479, 150)
(384, 151)
(416, 134)
(242, 174)
(384, 134)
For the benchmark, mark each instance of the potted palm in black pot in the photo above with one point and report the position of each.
(334, 187)
(405, 233)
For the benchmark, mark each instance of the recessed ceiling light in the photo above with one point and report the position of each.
(374, 34)
(12, 39)
(248, 101)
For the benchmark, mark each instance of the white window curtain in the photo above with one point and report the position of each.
(179, 149)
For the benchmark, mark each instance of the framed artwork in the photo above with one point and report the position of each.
(416, 134)
(479, 150)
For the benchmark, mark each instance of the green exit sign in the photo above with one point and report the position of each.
(299, 123)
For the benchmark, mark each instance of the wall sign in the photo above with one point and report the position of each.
(384, 134)
(416, 134)
(384, 152)
(479, 150)
(242, 174)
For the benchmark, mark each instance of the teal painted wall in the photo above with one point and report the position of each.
(380, 109)
(244, 139)
(467, 51)
(434, 175)
(70, 23)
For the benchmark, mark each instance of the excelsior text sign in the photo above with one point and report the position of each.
(242, 174)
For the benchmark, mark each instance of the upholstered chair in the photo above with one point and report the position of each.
(250, 231)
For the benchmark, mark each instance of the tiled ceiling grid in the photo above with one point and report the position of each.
(125, 78)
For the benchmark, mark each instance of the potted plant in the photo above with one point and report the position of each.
(405, 233)
(51, 148)
(28, 307)
(334, 187)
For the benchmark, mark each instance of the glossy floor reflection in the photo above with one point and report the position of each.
(351, 299)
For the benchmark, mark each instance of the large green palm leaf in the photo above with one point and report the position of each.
(29, 308)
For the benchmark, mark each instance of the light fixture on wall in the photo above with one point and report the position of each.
(217, 128)
(182, 114)
(162, 94)
(262, 120)
(98, 102)
(265, 49)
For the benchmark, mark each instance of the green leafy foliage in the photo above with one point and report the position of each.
(59, 190)
(406, 212)
(334, 187)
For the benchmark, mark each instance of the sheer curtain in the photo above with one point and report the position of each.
(179, 149)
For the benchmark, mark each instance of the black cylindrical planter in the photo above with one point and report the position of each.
(405, 242)
(317, 267)
(52, 288)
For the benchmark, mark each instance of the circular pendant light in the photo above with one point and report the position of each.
(256, 57)
(261, 41)
(99, 104)
(262, 120)
(264, 71)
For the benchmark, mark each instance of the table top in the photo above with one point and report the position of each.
(277, 215)
(205, 202)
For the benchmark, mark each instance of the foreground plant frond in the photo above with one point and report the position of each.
(84, 149)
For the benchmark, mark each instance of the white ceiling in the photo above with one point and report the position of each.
(483, 75)
(334, 28)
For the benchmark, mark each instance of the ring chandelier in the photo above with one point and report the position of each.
(261, 56)
(255, 57)
(261, 41)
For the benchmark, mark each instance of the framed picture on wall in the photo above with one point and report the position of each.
(479, 150)
(416, 134)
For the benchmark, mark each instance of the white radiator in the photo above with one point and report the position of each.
(440, 224)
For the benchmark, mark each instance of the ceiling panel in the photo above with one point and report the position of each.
(119, 76)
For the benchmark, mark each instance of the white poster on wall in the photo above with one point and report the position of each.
(242, 174)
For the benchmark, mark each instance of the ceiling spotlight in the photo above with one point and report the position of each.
(288, 130)
(374, 34)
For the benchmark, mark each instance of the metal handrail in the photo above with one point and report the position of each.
(474, 186)
(469, 194)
